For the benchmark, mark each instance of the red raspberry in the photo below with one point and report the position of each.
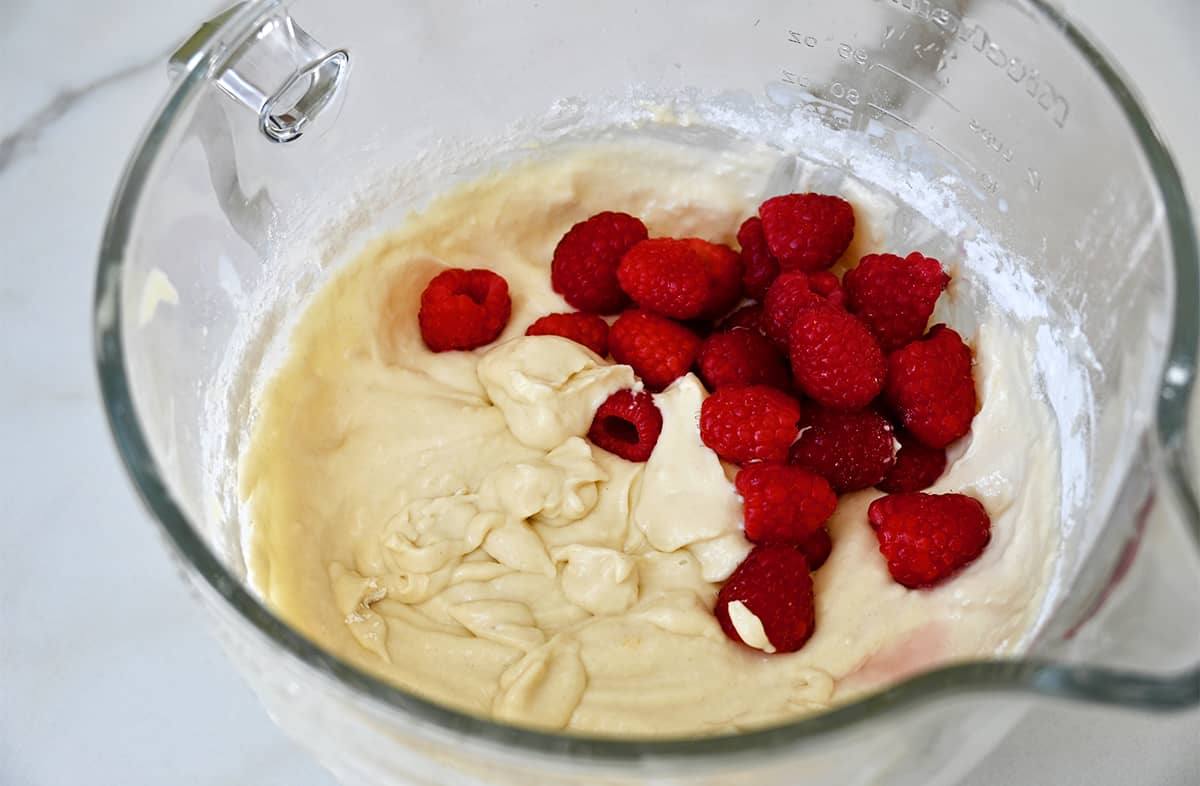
(852, 450)
(756, 423)
(463, 309)
(774, 584)
(783, 504)
(826, 284)
(724, 276)
(627, 424)
(658, 349)
(930, 387)
(739, 358)
(749, 317)
(584, 270)
(917, 467)
(759, 268)
(817, 548)
(587, 329)
(785, 298)
(926, 538)
(895, 296)
(666, 275)
(835, 359)
(682, 279)
(807, 231)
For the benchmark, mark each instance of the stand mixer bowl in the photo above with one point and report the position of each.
(270, 143)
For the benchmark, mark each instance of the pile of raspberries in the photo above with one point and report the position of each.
(818, 387)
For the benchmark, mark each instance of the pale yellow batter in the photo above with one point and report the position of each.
(439, 520)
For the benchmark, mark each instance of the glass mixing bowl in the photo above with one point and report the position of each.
(274, 157)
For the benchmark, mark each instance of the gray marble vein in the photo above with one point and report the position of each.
(24, 139)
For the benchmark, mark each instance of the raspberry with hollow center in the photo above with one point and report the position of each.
(741, 357)
(783, 504)
(587, 329)
(627, 424)
(584, 269)
(756, 423)
(931, 389)
(659, 350)
(769, 599)
(835, 359)
(759, 268)
(807, 231)
(926, 538)
(917, 467)
(463, 309)
(787, 296)
(895, 296)
(852, 450)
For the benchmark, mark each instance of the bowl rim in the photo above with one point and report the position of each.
(1038, 676)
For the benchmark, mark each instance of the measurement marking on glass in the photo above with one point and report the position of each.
(925, 134)
(894, 116)
(833, 105)
(1035, 178)
(917, 85)
(792, 78)
(809, 41)
(992, 142)
(969, 35)
(842, 93)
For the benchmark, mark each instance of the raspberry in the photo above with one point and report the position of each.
(463, 309)
(587, 329)
(739, 358)
(658, 349)
(755, 423)
(759, 268)
(785, 298)
(852, 450)
(584, 270)
(627, 424)
(895, 296)
(917, 467)
(666, 276)
(682, 279)
(929, 386)
(724, 275)
(783, 504)
(807, 231)
(773, 583)
(926, 538)
(835, 359)
(826, 285)
(749, 317)
(817, 548)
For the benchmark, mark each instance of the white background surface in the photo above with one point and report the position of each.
(107, 672)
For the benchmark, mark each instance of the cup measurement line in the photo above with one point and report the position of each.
(925, 134)
(915, 84)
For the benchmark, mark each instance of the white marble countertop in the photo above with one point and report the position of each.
(107, 671)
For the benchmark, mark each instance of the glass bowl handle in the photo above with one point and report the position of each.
(280, 72)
